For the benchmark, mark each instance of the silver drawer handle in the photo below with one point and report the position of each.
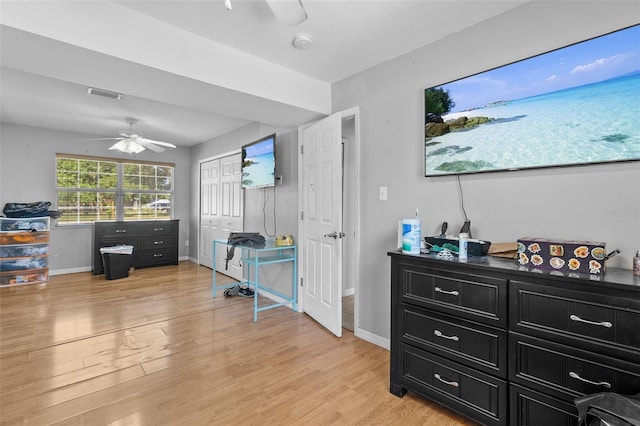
(439, 334)
(157, 255)
(453, 293)
(158, 229)
(121, 230)
(602, 324)
(576, 376)
(158, 242)
(454, 384)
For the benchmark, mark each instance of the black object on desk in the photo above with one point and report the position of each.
(474, 247)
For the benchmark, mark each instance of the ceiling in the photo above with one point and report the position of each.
(190, 71)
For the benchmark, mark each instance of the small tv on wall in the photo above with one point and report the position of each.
(259, 163)
(576, 105)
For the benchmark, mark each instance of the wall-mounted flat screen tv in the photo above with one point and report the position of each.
(259, 163)
(575, 105)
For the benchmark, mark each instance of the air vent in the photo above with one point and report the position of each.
(105, 93)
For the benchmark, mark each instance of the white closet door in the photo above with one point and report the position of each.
(231, 210)
(209, 210)
(221, 210)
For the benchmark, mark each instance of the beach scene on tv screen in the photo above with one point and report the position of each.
(258, 167)
(575, 105)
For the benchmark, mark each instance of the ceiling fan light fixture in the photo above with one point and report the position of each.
(105, 93)
(128, 146)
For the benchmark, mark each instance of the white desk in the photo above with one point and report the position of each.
(253, 258)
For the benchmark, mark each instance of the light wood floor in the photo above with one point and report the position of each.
(156, 349)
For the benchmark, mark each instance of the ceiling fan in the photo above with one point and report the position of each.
(288, 12)
(130, 142)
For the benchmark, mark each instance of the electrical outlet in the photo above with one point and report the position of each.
(186, 243)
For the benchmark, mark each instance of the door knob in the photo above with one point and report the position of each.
(335, 235)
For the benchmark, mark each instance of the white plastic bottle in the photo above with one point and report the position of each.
(463, 242)
(411, 235)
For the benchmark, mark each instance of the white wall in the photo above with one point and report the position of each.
(28, 172)
(600, 203)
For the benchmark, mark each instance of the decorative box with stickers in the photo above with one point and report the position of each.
(563, 256)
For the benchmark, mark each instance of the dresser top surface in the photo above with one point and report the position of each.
(613, 277)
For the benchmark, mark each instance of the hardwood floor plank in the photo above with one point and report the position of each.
(156, 349)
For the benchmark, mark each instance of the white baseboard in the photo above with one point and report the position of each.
(372, 338)
(274, 297)
(70, 270)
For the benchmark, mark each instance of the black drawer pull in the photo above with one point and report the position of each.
(121, 230)
(157, 255)
(158, 229)
(446, 382)
(452, 293)
(602, 323)
(444, 336)
(158, 242)
(576, 376)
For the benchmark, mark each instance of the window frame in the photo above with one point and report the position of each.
(115, 203)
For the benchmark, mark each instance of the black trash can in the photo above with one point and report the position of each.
(116, 261)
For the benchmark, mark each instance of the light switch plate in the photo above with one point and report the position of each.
(383, 193)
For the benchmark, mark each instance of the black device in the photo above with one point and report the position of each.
(443, 230)
(466, 228)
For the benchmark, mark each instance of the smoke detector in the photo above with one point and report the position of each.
(302, 41)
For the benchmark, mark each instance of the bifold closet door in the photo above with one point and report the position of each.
(221, 210)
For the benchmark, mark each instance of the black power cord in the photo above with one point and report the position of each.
(466, 228)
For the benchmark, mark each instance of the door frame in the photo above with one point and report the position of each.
(200, 162)
(350, 270)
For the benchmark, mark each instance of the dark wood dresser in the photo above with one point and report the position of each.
(504, 344)
(155, 242)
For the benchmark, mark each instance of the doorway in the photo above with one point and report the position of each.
(328, 252)
(349, 208)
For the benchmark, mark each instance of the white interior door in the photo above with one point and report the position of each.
(209, 212)
(322, 231)
(231, 211)
(221, 210)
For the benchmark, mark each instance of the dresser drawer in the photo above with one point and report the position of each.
(159, 241)
(566, 372)
(607, 324)
(118, 230)
(149, 229)
(462, 389)
(158, 256)
(530, 408)
(472, 344)
(467, 295)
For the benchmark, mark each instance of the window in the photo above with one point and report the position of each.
(92, 188)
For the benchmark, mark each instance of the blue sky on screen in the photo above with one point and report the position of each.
(587, 62)
(260, 148)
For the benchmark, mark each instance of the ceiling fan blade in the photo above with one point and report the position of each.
(100, 139)
(118, 145)
(288, 12)
(167, 144)
(149, 145)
